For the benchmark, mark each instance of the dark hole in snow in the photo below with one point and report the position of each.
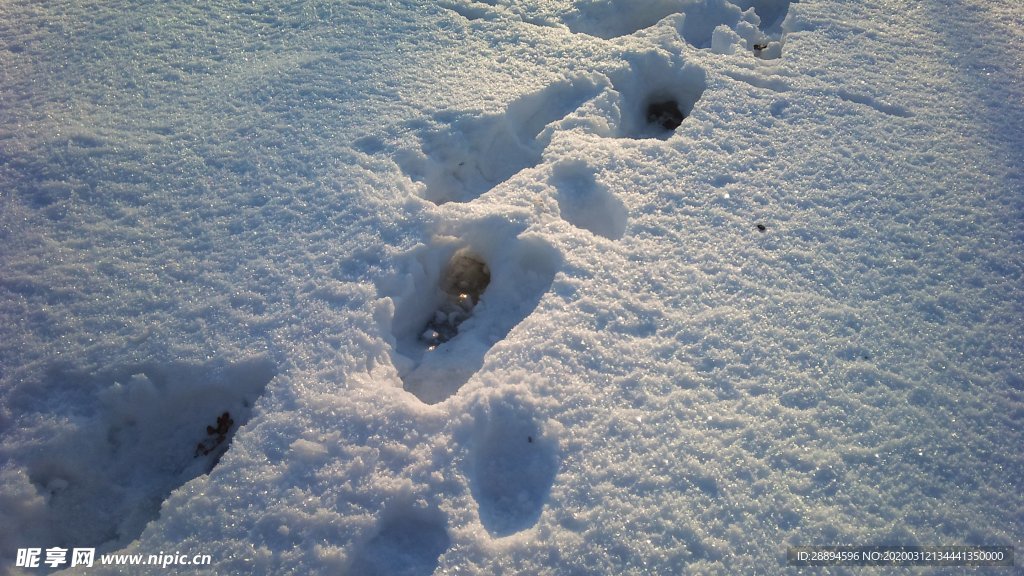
(467, 276)
(665, 114)
(529, 439)
(457, 307)
(215, 436)
(464, 282)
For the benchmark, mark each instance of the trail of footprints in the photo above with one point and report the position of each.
(464, 294)
(454, 305)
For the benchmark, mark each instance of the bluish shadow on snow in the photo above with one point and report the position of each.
(98, 454)
(521, 271)
(512, 465)
(409, 542)
(771, 13)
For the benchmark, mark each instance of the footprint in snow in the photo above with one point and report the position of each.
(755, 23)
(512, 466)
(656, 93)
(587, 204)
(408, 542)
(459, 297)
(472, 154)
(114, 446)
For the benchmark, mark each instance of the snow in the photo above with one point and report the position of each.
(471, 307)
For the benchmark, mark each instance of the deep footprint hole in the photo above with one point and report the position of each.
(465, 279)
(455, 300)
(664, 109)
(657, 94)
(665, 113)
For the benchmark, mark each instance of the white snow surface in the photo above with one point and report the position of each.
(795, 319)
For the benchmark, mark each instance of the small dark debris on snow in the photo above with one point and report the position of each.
(529, 439)
(665, 114)
(761, 227)
(215, 436)
(759, 47)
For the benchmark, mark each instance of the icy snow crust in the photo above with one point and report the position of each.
(794, 319)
